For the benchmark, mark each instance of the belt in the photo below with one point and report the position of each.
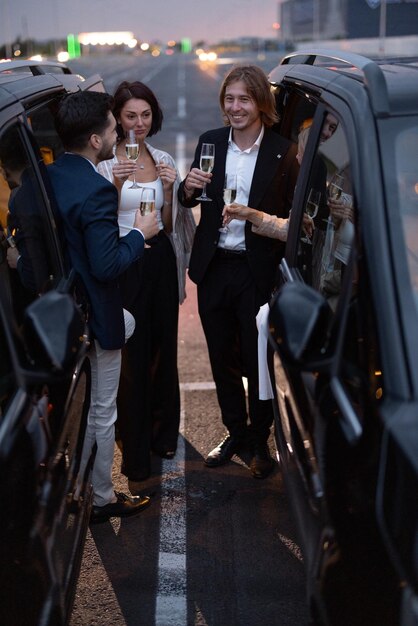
(232, 254)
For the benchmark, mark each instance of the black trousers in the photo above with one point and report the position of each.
(149, 396)
(229, 301)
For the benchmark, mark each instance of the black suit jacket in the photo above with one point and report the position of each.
(271, 191)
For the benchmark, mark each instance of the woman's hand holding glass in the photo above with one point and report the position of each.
(122, 170)
(241, 212)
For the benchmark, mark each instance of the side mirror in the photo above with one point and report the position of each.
(299, 322)
(55, 332)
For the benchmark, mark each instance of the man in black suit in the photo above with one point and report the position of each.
(235, 270)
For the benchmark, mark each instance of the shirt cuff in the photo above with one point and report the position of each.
(139, 231)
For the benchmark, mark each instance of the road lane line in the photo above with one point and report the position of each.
(181, 155)
(181, 107)
(171, 601)
(197, 386)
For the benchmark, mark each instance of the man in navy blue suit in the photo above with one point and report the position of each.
(234, 269)
(88, 205)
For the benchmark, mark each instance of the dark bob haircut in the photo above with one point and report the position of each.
(126, 91)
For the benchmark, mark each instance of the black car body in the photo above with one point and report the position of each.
(344, 329)
(44, 377)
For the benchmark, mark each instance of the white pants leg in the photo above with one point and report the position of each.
(105, 374)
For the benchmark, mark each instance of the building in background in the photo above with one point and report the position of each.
(345, 19)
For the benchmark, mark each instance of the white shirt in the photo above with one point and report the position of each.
(242, 163)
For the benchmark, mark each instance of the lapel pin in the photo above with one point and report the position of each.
(279, 156)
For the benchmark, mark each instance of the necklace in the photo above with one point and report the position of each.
(141, 167)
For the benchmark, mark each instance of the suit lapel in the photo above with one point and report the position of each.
(272, 152)
(221, 149)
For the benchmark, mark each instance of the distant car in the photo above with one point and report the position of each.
(344, 328)
(44, 372)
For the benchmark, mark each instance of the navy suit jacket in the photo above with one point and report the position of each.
(271, 191)
(88, 204)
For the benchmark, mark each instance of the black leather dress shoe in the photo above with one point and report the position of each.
(223, 452)
(261, 464)
(123, 507)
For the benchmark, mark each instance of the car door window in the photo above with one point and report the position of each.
(41, 120)
(329, 201)
(30, 259)
(7, 379)
(405, 161)
(331, 260)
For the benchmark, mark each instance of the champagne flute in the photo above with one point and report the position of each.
(207, 161)
(312, 203)
(132, 152)
(335, 187)
(311, 209)
(147, 204)
(229, 195)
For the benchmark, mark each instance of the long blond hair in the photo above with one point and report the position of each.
(303, 138)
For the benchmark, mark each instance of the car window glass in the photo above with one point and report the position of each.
(30, 258)
(329, 203)
(360, 364)
(294, 109)
(41, 121)
(7, 381)
(406, 164)
(325, 263)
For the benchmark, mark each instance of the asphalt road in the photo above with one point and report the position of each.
(217, 547)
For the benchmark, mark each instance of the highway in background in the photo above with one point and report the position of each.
(216, 548)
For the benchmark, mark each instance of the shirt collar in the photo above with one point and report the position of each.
(255, 145)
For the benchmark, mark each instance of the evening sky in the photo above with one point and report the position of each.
(150, 20)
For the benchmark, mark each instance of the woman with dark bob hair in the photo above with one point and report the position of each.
(153, 287)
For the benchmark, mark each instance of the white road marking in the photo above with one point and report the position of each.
(171, 600)
(181, 107)
(171, 608)
(197, 386)
(180, 157)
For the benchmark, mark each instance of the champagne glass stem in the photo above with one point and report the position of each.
(203, 195)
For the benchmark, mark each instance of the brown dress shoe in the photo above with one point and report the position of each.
(125, 506)
(261, 464)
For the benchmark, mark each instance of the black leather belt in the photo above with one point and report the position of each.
(231, 254)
